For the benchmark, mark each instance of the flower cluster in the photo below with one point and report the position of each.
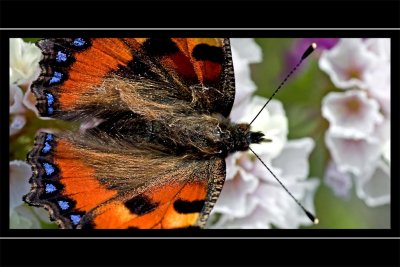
(24, 68)
(358, 137)
(251, 197)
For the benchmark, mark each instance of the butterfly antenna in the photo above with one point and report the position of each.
(308, 52)
(308, 213)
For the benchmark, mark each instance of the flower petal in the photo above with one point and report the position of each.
(282, 209)
(247, 49)
(386, 151)
(233, 198)
(373, 186)
(378, 84)
(339, 182)
(16, 97)
(20, 173)
(24, 61)
(272, 121)
(380, 47)
(293, 159)
(244, 52)
(257, 219)
(352, 155)
(18, 122)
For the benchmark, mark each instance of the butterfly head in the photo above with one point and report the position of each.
(256, 138)
(242, 137)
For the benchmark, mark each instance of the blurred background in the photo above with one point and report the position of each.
(302, 98)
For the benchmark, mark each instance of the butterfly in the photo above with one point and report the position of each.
(156, 157)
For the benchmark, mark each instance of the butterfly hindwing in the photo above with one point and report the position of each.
(85, 185)
(62, 182)
(173, 205)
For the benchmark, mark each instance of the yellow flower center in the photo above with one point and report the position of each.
(353, 73)
(353, 105)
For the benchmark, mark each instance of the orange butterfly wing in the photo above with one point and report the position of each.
(87, 185)
(175, 205)
(72, 68)
(70, 86)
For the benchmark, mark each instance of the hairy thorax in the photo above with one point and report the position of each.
(176, 124)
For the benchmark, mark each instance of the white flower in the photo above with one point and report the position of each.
(17, 118)
(351, 154)
(233, 200)
(17, 109)
(292, 161)
(24, 61)
(16, 96)
(251, 197)
(17, 123)
(244, 52)
(380, 47)
(378, 78)
(373, 186)
(272, 121)
(351, 114)
(378, 85)
(20, 172)
(247, 49)
(347, 63)
(386, 151)
(339, 182)
(21, 215)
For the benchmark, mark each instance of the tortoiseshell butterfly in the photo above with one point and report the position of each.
(157, 159)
